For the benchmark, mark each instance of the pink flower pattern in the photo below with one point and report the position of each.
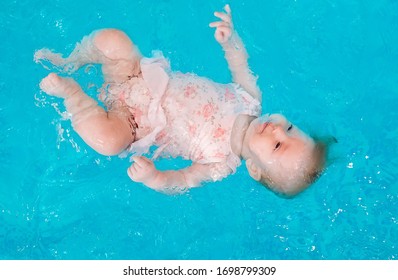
(190, 91)
(208, 110)
(219, 132)
(200, 129)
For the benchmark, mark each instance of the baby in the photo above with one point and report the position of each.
(213, 125)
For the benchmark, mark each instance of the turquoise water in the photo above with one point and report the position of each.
(331, 66)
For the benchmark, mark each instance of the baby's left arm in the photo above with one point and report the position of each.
(235, 52)
(144, 171)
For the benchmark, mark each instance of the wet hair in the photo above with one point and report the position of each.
(309, 174)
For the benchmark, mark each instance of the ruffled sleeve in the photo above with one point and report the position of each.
(250, 105)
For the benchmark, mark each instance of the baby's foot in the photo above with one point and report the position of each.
(59, 86)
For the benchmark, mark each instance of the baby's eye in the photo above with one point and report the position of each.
(290, 127)
(277, 146)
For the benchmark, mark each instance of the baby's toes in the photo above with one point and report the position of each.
(50, 84)
(58, 86)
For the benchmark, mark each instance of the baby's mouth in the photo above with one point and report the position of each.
(264, 122)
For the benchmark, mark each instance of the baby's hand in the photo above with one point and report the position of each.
(143, 171)
(224, 28)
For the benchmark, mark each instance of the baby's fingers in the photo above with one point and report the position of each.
(227, 8)
(141, 161)
(218, 24)
(132, 172)
(223, 33)
(224, 17)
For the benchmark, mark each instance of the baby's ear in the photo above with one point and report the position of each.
(254, 170)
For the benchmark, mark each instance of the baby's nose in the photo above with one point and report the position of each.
(279, 131)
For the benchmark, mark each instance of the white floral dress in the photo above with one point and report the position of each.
(186, 115)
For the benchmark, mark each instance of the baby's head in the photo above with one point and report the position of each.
(282, 157)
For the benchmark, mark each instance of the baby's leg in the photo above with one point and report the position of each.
(108, 133)
(112, 48)
(123, 58)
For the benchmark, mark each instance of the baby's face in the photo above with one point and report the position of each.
(278, 146)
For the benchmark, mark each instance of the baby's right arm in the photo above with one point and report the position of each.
(144, 171)
(235, 53)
